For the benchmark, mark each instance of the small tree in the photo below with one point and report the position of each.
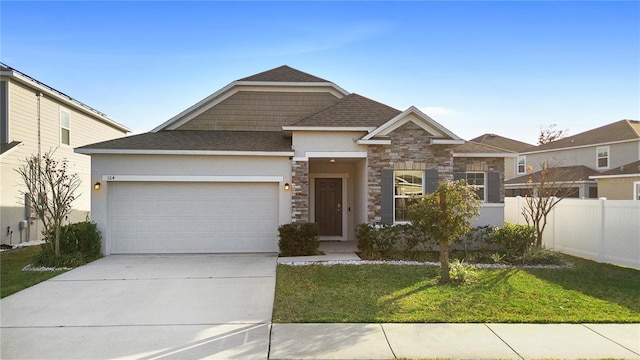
(50, 189)
(547, 188)
(445, 215)
(550, 134)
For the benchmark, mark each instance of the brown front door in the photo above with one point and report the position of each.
(329, 206)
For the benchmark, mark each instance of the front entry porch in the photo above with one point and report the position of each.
(336, 196)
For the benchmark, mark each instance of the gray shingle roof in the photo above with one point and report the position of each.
(472, 147)
(502, 142)
(283, 73)
(626, 169)
(617, 131)
(351, 111)
(200, 140)
(558, 174)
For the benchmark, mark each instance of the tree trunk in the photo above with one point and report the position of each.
(444, 262)
(444, 245)
(57, 240)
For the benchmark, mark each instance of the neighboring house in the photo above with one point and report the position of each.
(510, 145)
(620, 183)
(580, 158)
(277, 147)
(36, 117)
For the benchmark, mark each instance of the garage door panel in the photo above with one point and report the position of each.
(193, 217)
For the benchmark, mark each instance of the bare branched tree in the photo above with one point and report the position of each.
(50, 189)
(547, 188)
(551, 133)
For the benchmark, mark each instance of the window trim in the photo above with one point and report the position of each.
(484, 185)
(608, 157)
(395, 196)
(524, 168)
(62, 127)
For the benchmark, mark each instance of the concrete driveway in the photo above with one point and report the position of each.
(145, 307)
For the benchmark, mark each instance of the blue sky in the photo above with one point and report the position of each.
(508, 68)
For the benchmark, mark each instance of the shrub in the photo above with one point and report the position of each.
(478, 238)
(461, 273)
(375, 241)
(539, 255)
(365, 234)
(80, 243)
(514, 239)
(298, 239)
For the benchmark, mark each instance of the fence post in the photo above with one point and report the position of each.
(602, 229)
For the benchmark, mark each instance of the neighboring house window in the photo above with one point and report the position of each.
(407, 183)
(602, 154)
(522, 164)
(65, 127)
(636, 190)
(477, 179)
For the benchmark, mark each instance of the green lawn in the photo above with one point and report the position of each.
(12, 278)
(588, 292)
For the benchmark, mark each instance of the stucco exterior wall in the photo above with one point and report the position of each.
(617, 188)
(23, 127)
(326, 141)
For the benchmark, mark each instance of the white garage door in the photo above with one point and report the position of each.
(160, 217)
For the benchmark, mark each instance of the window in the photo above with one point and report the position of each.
(636, 190)
(477, 179)
(65, 127)
(522, 164)
(602, 157)
(406, 184)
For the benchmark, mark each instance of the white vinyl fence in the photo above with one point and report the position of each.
(602, 230)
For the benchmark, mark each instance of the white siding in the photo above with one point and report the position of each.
(23, 127)
(619, 154)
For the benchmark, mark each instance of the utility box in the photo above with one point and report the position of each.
(23, 224)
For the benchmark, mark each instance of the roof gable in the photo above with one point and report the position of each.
(281, 79)
(353, 111)
(421, 119)
(615, 132)
(283, 73)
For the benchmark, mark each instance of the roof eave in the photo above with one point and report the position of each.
(181, 152)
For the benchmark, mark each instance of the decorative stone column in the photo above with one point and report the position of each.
(300, 191)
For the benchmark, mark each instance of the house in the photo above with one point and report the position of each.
(277, 147)
(620, 183)
(579, 158)
(510, 145)
(35, 117)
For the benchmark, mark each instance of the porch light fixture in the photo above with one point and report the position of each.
(96, 186)
(332, 160)
(287, 186)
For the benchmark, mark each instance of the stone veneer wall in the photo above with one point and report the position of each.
(300, 191)
(408, 143)
(464, 164)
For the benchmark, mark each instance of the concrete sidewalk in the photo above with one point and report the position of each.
(455, 341)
